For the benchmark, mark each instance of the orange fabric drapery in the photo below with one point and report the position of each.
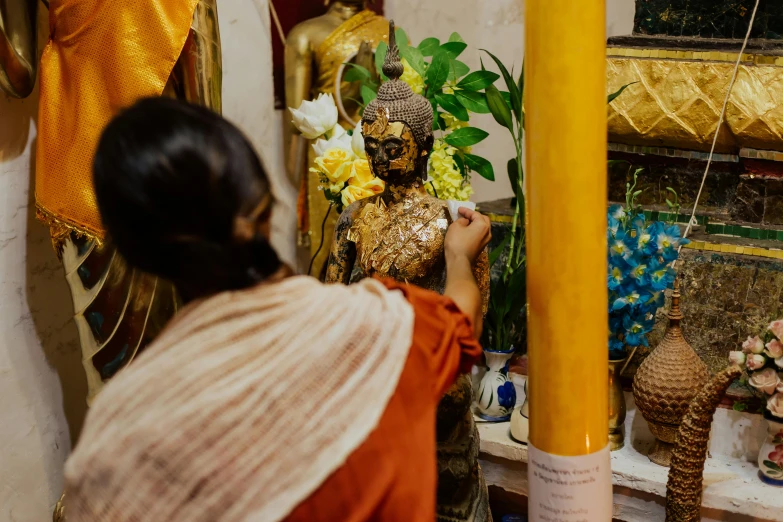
(102, 56)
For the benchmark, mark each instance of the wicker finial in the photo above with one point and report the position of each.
(392, 65)
(675, 315)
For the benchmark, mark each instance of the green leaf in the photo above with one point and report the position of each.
(415, 59)
(460, 162)
(513, 175)
(480, 165)
(614, 95)
(438, 71)
(380, 56)
(356, 73)
(402, 37)
(450, 104)
(516, 97)
(499, 108)
(454, 49)
(466, 137)
(473, 101)
(521, 81)
(478, 80)
(457, 70)
(455, 37)
(368, 94)
(771, 465)
(739, 406)
(429, 46)
(611, 163)
(495, 254)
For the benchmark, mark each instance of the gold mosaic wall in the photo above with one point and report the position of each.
(679, 96)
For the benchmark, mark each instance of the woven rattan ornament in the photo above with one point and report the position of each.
(399, 102)
(666, 383)
(686, 476)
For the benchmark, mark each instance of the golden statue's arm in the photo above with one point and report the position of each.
(298, 87)
(18, 49)
(197, 75)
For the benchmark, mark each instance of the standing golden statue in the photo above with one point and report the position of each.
(315, 52)
(400, 234)
(101, 57)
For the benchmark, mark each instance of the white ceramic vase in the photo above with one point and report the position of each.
(496, 394)
(520, 421)
(771, 453)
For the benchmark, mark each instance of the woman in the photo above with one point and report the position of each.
(268, 397)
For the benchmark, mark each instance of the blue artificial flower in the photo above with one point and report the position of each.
(656, 300)
(662, 278)
(616, 277)
(507, 395)
(635, 332)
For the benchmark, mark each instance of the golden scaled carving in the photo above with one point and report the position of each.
(677, 102)
(686, 476)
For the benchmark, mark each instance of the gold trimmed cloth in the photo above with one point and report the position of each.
(102, 56)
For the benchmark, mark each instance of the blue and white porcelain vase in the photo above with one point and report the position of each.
(496, 394)
(771, 453)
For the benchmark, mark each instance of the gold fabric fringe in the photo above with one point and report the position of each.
(60, 230)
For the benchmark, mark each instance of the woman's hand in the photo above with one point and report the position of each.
(468, 236)
(465, 240)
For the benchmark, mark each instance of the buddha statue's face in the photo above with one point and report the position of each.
(392, 151)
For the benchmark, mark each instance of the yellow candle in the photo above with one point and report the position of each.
(565, 106)
(566, 239)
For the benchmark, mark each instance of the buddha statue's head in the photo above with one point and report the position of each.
(397, 126)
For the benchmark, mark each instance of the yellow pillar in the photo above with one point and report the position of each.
(565, 106)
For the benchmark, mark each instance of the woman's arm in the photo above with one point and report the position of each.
(466, 239)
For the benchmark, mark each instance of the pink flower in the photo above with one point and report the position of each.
(775, 405)
(776, 327)
(737, 358)
(774, 349)
(780, 385)
(777, 455)
(753, 345)
(779, 362)
(766, 380)
(755, 362)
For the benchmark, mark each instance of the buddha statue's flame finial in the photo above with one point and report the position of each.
(392, 65)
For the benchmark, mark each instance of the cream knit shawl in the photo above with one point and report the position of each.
(243, 406)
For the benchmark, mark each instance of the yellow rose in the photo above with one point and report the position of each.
(335, 165)
(362, 177)
(353, 193)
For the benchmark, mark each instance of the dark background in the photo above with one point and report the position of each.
(709, 18)
(292, 12)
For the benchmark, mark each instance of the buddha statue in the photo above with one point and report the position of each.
(315, 53)
(400, 234)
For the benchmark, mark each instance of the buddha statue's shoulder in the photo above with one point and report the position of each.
(313, 32)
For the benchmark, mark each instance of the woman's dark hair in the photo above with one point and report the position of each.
(171, 181)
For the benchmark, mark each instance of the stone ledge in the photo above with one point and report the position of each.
(732, 489)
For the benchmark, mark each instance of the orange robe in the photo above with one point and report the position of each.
(102, 56)
(392, 476)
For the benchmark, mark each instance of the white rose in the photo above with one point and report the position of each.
(737, 358)
(774, 349)
(339, 140)
(776, 327)
(357, 142)
(756, 362)
(753, 345)
(315, 118)
(775, 405)
(780, 382)
(766, 380)
(779, 362)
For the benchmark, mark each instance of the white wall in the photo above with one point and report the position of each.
(42, 385)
